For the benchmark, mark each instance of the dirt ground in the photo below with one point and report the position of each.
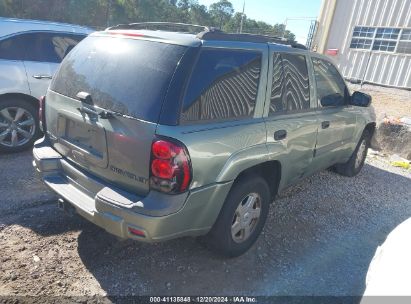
(320, 238)
(390, 102)
(393, 104)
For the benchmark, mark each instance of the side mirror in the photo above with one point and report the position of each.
(360, 99)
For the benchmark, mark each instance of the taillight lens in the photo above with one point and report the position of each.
(42, 112)
(162, 168)
(163, 149)
(170, 166)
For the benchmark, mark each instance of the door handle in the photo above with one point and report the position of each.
(325, 124)
(280, 134)
(42, 76)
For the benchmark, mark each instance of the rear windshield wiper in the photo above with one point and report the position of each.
(104, 114)
(85, 98)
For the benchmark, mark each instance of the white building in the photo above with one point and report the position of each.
(370, 40)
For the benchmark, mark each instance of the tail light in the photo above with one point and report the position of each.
(170, 166)
(42, 113)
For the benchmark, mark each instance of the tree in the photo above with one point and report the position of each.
(98, 13)
(184, 4)
(221, 12)
(200, 15)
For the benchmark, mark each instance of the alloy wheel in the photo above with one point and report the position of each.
(17, 127)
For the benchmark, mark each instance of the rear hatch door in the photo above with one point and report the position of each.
(104, 103)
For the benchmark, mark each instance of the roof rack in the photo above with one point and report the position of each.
(220, 35)
(170, 26)
(205, 32)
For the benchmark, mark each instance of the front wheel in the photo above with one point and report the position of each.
(242, 217)
(357, 159)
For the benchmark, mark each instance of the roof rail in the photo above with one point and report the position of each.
(206, 33)
(161, 26)
(220, 35)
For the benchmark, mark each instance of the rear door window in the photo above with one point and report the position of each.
(128, 76)
(12, 48)
(290, 89)
(277, 101)
(296, 81)
(223, 85)
(39, 46)
(50, 47)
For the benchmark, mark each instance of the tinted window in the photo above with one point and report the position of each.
(384, 45)
(296, 82)
(41, 47)
(362, 31)
(364, 44)
(404, 47)
(12, 48)
(223, 85)
(50, 47)
(388, 33)
(277, 103)
(331, 88)
(127, 76)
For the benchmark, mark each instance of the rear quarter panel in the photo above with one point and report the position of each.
(221, 151)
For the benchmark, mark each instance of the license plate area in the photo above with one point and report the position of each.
(82, 141)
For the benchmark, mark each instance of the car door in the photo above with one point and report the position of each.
(12, 72)
(291, 121)
(337, 119)
(45, 51)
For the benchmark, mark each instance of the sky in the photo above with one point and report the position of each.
(276, 11)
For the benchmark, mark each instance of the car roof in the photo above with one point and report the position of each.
(195, 40)
(184, 39)
(9, 26)
(191, 34)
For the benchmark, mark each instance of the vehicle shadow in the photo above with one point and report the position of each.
(319, 240)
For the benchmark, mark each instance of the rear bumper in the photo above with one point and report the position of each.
(116, 210)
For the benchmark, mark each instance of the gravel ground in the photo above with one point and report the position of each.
(320, 238)
(20, 186)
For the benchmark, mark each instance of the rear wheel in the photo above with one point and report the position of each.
(242, 217)
(357, 159)
(19, 126)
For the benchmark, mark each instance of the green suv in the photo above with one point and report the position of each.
(155, 134)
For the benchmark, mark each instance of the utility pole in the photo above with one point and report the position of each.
(108, 9)
(242, 18)
(285, 27)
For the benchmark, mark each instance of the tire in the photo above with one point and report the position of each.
(19, 125)
(354, 165)
(253, 190)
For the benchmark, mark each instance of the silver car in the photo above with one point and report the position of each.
(30, 53)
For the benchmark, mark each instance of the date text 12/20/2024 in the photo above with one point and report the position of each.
(237, 299)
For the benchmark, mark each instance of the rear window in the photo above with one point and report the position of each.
(127, 76)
